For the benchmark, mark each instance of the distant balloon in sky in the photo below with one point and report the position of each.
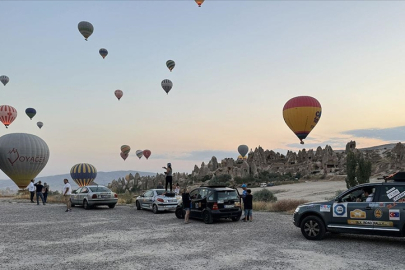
(170, 65)
(86, 29)
(118, 94)
(243, 150)
(4, 79)
(139, 153)
(167, 85)
(103, 52)
(40, 124)
(7, 114)
(83, 174)
(22, 157)
(301, 114)
(199, 2)
(31, 112)
(124, 156)
(147, 153)
(125, 149)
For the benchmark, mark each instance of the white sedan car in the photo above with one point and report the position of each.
(156, 200)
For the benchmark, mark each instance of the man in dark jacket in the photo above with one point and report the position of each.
(248, 206)
(39, 187)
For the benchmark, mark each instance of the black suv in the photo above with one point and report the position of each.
(211, 203)
(373, 208)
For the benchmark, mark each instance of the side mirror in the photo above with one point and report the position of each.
(338, 199)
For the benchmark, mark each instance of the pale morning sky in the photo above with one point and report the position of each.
(237, 63)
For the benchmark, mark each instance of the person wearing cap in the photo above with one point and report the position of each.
(39, 187)
(244, 194)
(169, 176)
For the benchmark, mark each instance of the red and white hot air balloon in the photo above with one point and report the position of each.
(118, 94)
(7, 114)
(147, 153)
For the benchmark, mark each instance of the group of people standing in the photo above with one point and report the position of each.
(40, 190)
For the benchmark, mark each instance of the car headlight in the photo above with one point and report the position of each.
(297, 209)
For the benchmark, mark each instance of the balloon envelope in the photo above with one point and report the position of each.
(103, 52)
(301, 114)
(125, 149)
(243, 150)
(7, 114)
(4, 79)
(124, 156)
(147, 153)
(22, 157)
(86, 29)
(118, 94)
(40, 124)
(167, 85)
(139, 153)
(170, 64)
(83, 174)
(199, 2)
(31, 112)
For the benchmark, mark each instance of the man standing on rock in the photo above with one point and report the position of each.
(67, 191)
(31, 189)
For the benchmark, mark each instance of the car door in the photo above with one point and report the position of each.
(352, 211)
(83, 194)
(75, 196)
(391, 205)
(147, 199)
(194, 209)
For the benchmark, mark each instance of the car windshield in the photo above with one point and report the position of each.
(99, 189)
(227, 195)
(160, 192)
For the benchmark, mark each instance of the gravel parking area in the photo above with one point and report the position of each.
(45, 237)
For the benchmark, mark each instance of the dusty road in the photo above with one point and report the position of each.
(45, 237)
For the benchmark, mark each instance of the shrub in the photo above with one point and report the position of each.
(126, 198)
(286, 205)
(205, 178)
(264, 195)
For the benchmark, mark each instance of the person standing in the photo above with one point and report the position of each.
(244, 193)
(186, 204)
(39, 187)
(67, 191)
(159, 186)
(45, 191)
(177, 189)
(169, 176)
(249, 206)
(31, 189)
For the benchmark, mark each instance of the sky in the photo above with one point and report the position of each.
(237, 64)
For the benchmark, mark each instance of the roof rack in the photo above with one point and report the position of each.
(398, 176)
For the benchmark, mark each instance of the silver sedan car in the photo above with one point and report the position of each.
(156, 200)
(93, 195)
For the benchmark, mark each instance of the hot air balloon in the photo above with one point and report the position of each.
(4, 79)
(167, 85)
(31, 112)
(7, 114)
(40, 124)
(147, 153)
(199, 2)
(243, 150)
(83, 174)
(124, 156)
(139, 153)
(125, 149)
(170, 65)
(103, 52)
(22, 157)
(301, 115)
(86, 29)
(118, 94)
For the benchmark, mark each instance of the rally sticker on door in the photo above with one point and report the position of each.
(394, 214)
(340, 210)
(358, 214)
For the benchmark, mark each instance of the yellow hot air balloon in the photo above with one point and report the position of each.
(301, 114)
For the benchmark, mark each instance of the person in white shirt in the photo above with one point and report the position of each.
(31, 189)
(67, 191)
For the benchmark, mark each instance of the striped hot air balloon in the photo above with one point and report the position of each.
(301, 115)
(170, 65)
(139, 153)
(167, 85)
(86, 29)
(7, 114)
(125, 149)
(103, 52)
(83, 174)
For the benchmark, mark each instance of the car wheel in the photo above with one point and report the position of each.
(179, 213)
(155, 209)
(207, 217)
(72, 205)
(86, 205)
(313, 228)
(236, 218)
(111, 205)
(138, 206)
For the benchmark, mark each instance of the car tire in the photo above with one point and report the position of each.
(111, 205)
(313, 228)
(207, 217)
(179, 213)
(86, 205)
(236, 218)
(138, 205)
(72, 205)
(155, 209)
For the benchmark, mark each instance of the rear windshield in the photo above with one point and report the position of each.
(99, 189)
(227, 195)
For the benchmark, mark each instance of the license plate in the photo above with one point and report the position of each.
(229, 206)
(105, 196)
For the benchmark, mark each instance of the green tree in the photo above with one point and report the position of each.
(351, 170)
(358, 170)
(363, 170)
(264, 195)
